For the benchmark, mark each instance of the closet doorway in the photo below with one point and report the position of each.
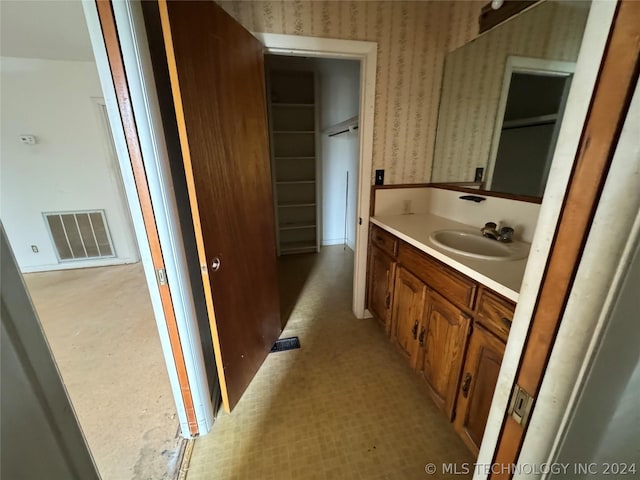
(365, 53)
(313, 106)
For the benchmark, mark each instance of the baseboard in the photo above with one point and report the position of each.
(332, 241)
(80, 264)
(339, 241)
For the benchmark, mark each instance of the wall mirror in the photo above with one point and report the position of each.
(502, 101)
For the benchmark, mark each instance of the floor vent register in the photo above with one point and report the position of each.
(284, 344)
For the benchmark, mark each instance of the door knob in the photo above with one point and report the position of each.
(215, 264)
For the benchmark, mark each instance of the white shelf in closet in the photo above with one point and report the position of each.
(297, 247)
(530, 121)
(288, 132)
(293, 105)
(295, 182)
(293, 128)
(300, 226)
(296, 204)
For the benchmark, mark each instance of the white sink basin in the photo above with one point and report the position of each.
(472, 244)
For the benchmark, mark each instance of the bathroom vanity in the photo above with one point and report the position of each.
(444, 294)
(448, 313)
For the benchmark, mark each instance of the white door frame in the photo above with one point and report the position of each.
(137, 62)
(517, 64)
(366, 54)
(109, 145)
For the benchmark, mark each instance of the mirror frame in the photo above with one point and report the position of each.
(460, 187)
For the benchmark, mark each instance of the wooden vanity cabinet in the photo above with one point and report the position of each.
(380, 283)
(443, 340)
(384, 241)
(477, 385)
(495, 313)
(492, 321)
(457, 288)
(451, 330)
(408, 310)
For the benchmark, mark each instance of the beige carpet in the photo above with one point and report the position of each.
(344, 406)
(100, 326)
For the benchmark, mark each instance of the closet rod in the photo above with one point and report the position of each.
(343, 131)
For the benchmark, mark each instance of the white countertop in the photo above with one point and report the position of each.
(502, 276)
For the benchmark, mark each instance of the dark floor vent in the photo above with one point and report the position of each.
(283, 344)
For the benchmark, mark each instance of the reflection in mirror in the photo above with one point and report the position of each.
(530, 110)
(503, 97)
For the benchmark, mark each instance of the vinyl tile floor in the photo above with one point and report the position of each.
(100, 326)
(343, 406)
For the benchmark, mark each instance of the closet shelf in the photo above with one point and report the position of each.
(293, 105)
(530, 121)
(297, 226)
(296, 204)
(295, 182)
(293, 132)
(290, 247)
(287, 132)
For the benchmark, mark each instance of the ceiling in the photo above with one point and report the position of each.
(51, 29)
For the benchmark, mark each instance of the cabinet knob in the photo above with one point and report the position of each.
(414, 330)
(507, 322)
(423, 330)
(466, 383)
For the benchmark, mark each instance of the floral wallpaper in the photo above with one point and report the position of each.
(413, 39)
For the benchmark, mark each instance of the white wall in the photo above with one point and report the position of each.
(339, 100)
(71, 167)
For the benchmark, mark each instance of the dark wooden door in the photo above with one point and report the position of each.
(481, 369)
(408, 307)
(217, 80)
(443, 339)
(380, 286)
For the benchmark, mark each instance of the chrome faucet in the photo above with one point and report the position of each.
(490, 230)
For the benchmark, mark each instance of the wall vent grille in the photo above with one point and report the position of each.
(80, 235)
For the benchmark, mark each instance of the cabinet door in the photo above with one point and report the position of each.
(380, 286)
(408, 307)
(443, 337)
(482, 366)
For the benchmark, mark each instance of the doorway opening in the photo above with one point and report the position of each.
(66, 217)
(313, 109)
(365, 54)
(531, 107)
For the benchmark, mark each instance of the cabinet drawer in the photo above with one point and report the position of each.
(384, 240)
(495, 313)
(455, 287)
